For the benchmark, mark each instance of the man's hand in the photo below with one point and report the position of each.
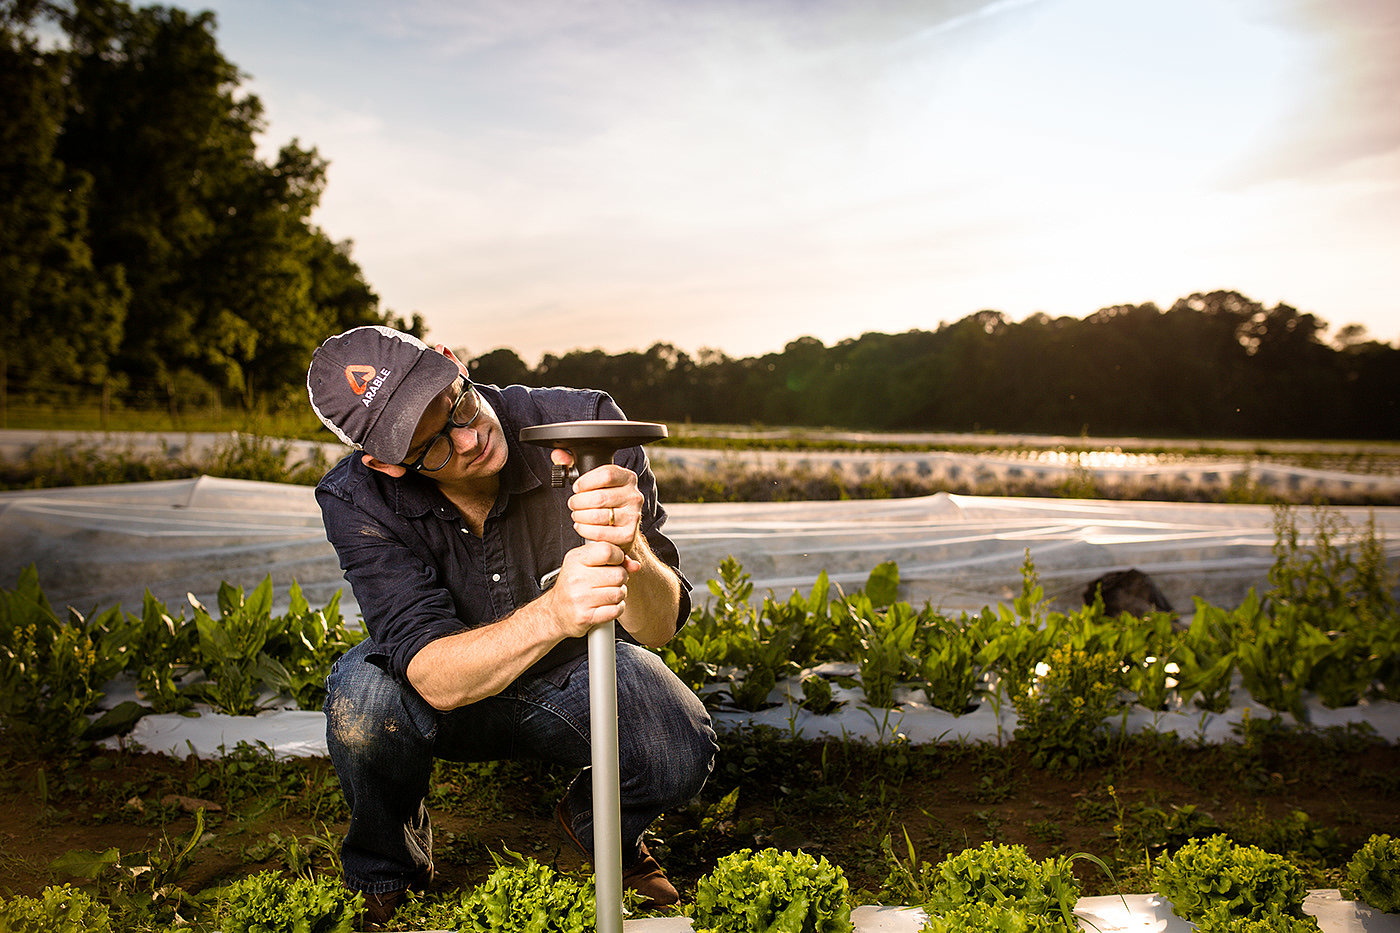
(591, 588)
(606, 504)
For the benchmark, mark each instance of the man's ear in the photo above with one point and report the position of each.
(445, 351)
(396, 470)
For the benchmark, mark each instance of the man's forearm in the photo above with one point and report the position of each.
(460, 669)
(653, 598)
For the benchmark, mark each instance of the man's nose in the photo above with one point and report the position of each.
(465, 440)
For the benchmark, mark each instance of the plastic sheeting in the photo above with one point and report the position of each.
(292, 733)
(1132, 913)
(98, 545)
(1107, 469)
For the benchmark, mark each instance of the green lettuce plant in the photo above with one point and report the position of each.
(1244, 881)
(772, 892)
(269, 903)
(1006, 916)
(1374, 873)
(992, 874)
(58, 909)
(1272, 919)
(523, 896)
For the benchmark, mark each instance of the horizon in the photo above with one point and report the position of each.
(737, 175)
(557, 352)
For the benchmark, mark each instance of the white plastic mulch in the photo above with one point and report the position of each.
(1132, 913)
(295, 733)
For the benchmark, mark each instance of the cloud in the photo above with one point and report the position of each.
(1350, 107)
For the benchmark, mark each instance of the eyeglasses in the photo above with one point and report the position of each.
(465, 409)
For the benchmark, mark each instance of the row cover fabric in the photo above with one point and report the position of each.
(99, 545)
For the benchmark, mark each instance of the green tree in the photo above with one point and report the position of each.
(143, 238)
(61, 314)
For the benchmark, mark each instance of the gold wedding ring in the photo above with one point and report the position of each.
(612, 516)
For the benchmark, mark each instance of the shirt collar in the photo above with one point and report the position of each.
(524, 462)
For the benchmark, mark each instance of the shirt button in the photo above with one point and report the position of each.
(466, 531)
(495, 578)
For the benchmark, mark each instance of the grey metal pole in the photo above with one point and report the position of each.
(594, 443)
(607, 801)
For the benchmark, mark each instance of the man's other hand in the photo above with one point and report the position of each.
(591, 588)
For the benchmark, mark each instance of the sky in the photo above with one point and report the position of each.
(549, 175)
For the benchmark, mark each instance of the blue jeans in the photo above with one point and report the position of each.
(383, 738)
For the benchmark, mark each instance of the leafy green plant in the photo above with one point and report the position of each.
(702, 646)
(1374, 873)
(269, 903)
(1338, 592)
(947, 666)
(1276, 657)
(911, 884)
(143, 884)
(300, 650)
(231, 649)
(523, 896)
(52, 670)
(1145, 826)
(816, 695)
(1018, 637)
(1296, 836)
(992, 874)
(1007, 916)
(162, 649)
(1272, 919)
(1205, 656)
(58, 909)
(1062, 713)
(770, 892)
(248, 652)
(887, 642)
(1243, 881)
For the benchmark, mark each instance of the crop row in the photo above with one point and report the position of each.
(1214, 883)
(1327, 626)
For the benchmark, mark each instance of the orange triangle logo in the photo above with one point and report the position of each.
(359, 377)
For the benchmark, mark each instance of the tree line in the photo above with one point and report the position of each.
(146, 249)
(1214, 364)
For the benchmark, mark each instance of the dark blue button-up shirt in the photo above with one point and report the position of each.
(420, 574)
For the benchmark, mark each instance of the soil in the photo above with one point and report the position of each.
(834, 799)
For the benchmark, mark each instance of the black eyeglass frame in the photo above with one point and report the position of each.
(468, 391)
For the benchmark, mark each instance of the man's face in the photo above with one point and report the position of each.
(478, 451)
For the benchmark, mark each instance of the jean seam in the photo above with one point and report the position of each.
(557, 711)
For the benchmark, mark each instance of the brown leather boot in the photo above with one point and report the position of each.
(644, 875)
(646, 878)
(380, 908)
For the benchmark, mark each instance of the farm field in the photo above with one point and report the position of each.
(829, 784)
